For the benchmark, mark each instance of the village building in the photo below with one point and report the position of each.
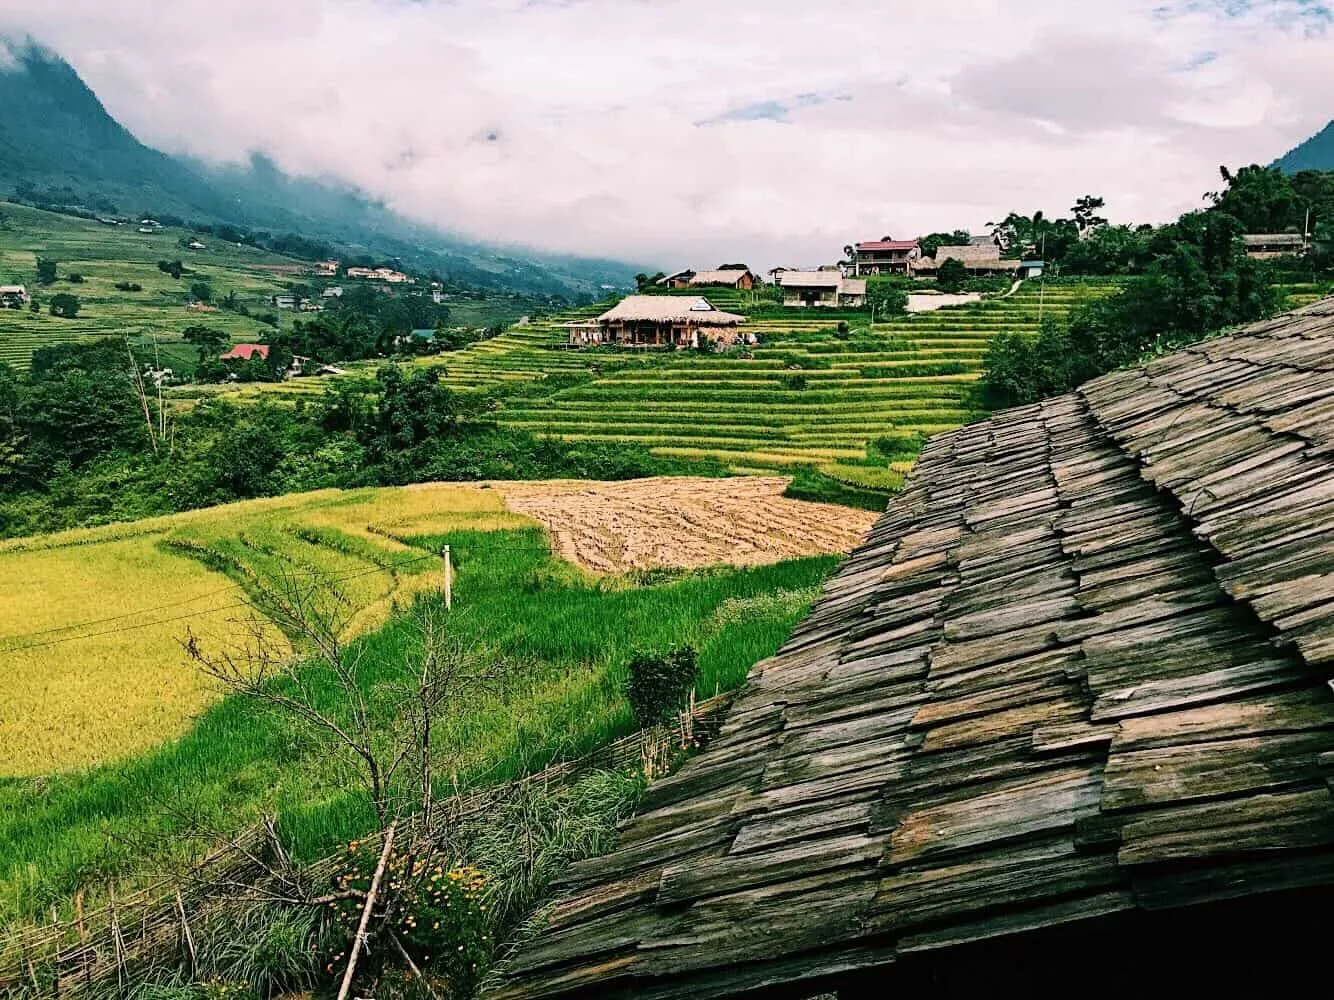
(1061, 727)
(1267, 246)
(660, 321)
(326, 269)
(884, 257)
(195, 245)
(246, 352)
(725, 277)
(14, 296)
(332, 292)
(827, 289)
(677, 279)
(386, 274)
(283, 301)
(981, 258)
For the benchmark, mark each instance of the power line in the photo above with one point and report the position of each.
(166, 607)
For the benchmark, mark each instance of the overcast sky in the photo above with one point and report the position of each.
(700, 132)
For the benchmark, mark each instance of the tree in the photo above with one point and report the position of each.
(885, 298)
(201, 291)
(172, 267)
(952, 275)
(1085, 211)
(1262, 199)
(64, 305)
(207, 340)
(46, 271)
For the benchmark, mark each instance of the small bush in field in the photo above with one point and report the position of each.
(657, 685)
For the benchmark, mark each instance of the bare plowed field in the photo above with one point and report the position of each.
(683, 522)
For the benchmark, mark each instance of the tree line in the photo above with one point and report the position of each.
(1185, 280)
(83, 440)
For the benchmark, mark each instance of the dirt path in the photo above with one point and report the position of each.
(652, 523)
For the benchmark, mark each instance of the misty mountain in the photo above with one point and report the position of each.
(59, 146)
(1316, 153)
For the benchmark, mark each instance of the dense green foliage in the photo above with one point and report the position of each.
(656, 684)
(76, 448)
(1191, 278)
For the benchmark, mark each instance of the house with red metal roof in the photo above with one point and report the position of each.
(246, 352)
(884, 257)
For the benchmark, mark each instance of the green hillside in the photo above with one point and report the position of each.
(107, 255)
(1316, 153)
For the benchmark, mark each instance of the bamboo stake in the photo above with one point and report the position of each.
(359, 941)
(189, 938)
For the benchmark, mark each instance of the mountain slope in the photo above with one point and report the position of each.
(1316, 153)
(59, 146)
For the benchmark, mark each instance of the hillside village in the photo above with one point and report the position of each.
(388, 614)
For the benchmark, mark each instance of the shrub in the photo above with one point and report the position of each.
(795, 383)
(657, 685)
(74, 278)
(129, 286)
(172, 267)
(46, 271)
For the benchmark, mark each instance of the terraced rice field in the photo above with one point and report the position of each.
(854, 406)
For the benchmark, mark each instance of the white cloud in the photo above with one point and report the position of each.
(683, 131)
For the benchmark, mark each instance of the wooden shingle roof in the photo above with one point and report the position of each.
(1079, 668)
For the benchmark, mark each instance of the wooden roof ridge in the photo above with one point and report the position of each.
(1240, 430)
(1028, 699)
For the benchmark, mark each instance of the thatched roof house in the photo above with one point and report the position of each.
(1062, 726)
(666, 321)
(979, 258)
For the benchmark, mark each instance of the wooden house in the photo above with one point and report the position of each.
(1062, 726)
(822, 289)
(884, 257)
(729, 277)
(1267, 246)
(678, 279)
(664, 321)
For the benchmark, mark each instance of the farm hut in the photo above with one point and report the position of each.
(827, 289)
(283, 301)
(1032, 268)
(1062, 726)
(1266, 246)
(246, 352)
(884, 257)
(195, 245)
(679, 279)
(739, 278)
(583, 333)
(667, 321)
(14, 296)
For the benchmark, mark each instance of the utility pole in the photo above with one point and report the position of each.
(449, 579)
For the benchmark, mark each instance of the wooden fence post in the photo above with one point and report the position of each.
(449, 579)
(360, 940)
